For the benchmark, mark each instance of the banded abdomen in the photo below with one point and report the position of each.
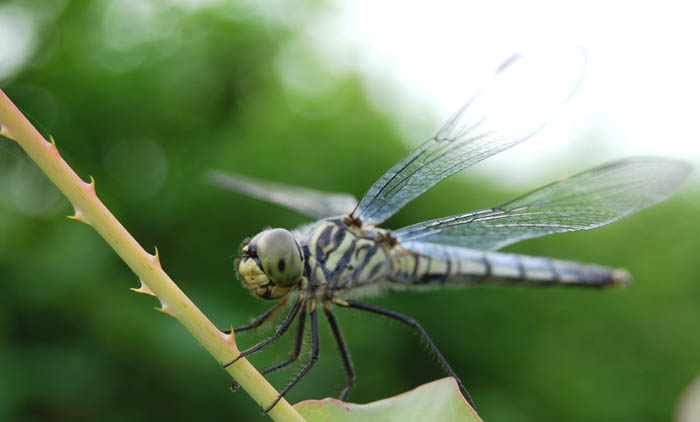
(426, 264)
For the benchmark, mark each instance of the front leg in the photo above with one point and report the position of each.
(309, 365)
(295, 352)
(297, 345)
(261, 319)
(281, 330)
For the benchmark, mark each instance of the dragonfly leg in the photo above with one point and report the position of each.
(295, 352)
(281, 330)
(415, 325)
(297, 345)
(349, 370)
(259, 320)
(309, 365)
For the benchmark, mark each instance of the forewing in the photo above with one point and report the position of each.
(313, 203)
(585, 201)
(522, 96)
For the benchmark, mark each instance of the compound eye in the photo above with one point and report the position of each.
(279, 255)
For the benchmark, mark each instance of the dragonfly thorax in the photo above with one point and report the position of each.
(271, 264)
(341, 256)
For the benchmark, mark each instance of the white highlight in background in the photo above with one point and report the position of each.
(422, 60)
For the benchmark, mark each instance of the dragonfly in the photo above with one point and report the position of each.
(345, 254)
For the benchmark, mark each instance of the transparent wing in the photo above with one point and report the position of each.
(313, 203)
(522, 96)
(585, 201)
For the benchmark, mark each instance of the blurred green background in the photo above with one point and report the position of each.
(146, 102)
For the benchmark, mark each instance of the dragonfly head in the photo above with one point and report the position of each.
(271, 264)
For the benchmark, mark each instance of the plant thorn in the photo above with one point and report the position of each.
(6, 133)
(78, 216)
(156, 257)
(91, 185)
(230, 337)
(164, 309)
(143, 289)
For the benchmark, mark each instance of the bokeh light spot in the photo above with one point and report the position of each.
(139, 167)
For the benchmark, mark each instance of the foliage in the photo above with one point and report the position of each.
(438, 401)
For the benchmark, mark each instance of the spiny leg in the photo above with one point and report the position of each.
(254, 324)
(295, 353)
(281, 330)
(297, 345)
(413, 324)
(312, 361)
(349, 371)
(261, 319)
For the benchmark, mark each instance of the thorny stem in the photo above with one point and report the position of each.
(90, 210)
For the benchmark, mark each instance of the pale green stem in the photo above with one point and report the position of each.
(90, 210)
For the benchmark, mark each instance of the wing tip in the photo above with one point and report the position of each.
(678, 170)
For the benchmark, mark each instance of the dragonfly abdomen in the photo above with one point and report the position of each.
(435, 264)
(543, 271)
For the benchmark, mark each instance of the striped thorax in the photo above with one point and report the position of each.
(343, 256)
(332, 257)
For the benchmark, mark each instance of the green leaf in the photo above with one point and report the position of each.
(437, 401)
